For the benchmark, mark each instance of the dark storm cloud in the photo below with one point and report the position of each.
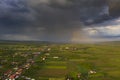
(47, 19)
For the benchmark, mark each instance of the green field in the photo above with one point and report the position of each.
(67, 60)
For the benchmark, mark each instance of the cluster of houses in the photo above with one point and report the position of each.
(16, 72)
(21, 48)
(27, 78)
(68, 48)
(18, 69)
(92, 72)
(11, 75)
(79, 75)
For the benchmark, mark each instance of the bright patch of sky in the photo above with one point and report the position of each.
(109, 28)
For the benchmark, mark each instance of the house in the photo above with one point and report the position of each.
(47, 54)
(79, 75)
(12, 77)
(43, 58)
(8, 72)
(92, 72)
(66, 48)
(55, 57)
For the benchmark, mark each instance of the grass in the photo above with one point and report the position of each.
(104, 58)
(55, 73)
(55, 67)
(56, 78)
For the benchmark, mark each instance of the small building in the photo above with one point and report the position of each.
(55, 57)
(92, 72)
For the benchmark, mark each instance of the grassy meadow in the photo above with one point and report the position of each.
(64, 61)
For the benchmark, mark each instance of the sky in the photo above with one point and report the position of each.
(106, 31)
(57, 20)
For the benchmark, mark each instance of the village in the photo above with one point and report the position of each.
(17, 71)
(49, 62)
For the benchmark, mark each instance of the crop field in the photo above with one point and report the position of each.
(62, 61)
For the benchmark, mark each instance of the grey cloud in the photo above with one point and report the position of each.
(57, 18)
